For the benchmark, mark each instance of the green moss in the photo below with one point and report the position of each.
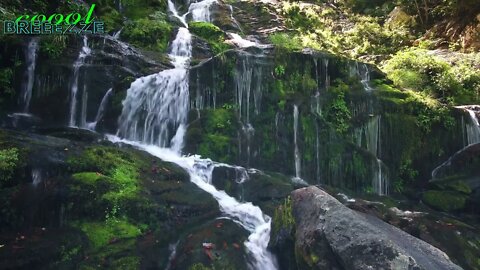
(314, 258)
(101, 234)
(206, 30)
(199, 266)
(89, 178)
(445, 200)
(212, 34)
(127, 263)
(149, 34)
(454, 185)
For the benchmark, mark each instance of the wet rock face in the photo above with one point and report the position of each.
(325, 227)
(111, 64)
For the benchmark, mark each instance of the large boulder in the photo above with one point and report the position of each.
(330, 235)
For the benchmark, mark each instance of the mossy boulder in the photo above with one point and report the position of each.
(445, 200)
(212, 34)
(123, 206)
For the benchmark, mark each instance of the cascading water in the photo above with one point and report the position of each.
(101, 110)
(29, 76)
(364, 72)
(471, 131)
(472, 127)
(83, 112)
(200, 11)
(327, 77)
(116, 35)
(37, 177)
(368, 137)
(155, 109)
(248, 78)
(233, 18)
(85, 51)
(296, 150)
(155, 106)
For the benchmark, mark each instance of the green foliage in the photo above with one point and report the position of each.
(148, 33)
(399, 186)
(6, 77)
(213, 35)
(8, 164)
(283, 217)
(415, 69)
(285, 41)
(317, 27)
(336, 112)
(53, 45)
(279, 70)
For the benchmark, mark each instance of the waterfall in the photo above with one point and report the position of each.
(31, 53)
(327, 77)
(83, 114)
(36, 177)
(317, 152)
(173, 9)
(248, 80)
(116, 35)
(155, 109)
(200, 11)
(101, 110)
(233, 18)
(155, 106)
(295, 135)
(364, 73)
(84, 53)
(380, 180)
(368, 137)
(243, 82)
(472, 127)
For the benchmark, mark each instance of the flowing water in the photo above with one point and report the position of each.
(368, 137)
(101, 110)
(295, 138)
(471, 131)
(31, 53)
(85, 51)
(472, 127)
(200, 11)
(154, 118)
(155, 109)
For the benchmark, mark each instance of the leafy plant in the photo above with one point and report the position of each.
(8, 163)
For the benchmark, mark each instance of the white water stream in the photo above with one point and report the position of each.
(154, 118)
(85, 51)
(31, 53)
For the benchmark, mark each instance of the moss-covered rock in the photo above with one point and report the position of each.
(445, 200)
(126, 205)
(149, 34)
(212, 34)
